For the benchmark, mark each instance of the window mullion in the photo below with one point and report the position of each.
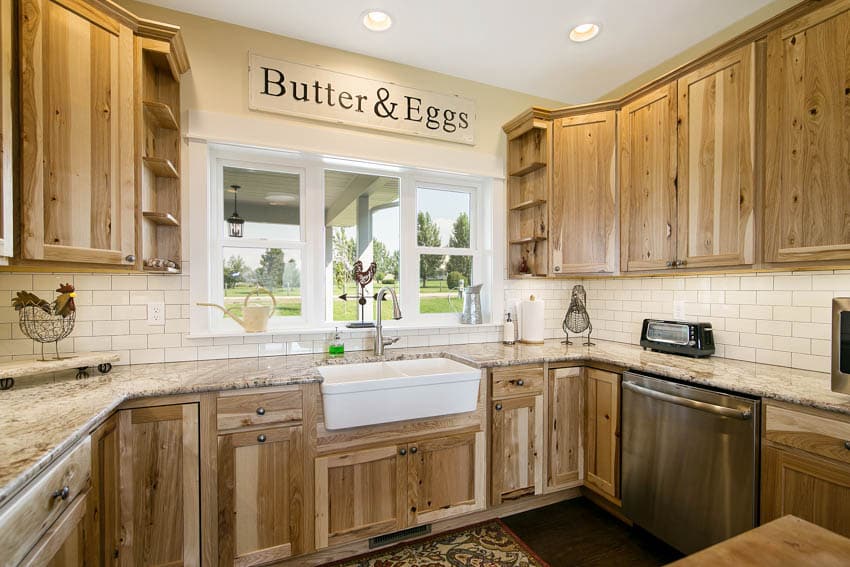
(409, 258)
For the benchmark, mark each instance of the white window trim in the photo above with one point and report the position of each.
(232, 156)
(487, 259)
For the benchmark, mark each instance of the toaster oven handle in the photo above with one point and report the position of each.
(689, 403)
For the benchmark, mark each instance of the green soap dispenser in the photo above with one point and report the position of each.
(336, 346)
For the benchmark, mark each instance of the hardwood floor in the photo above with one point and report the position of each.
(578, 533)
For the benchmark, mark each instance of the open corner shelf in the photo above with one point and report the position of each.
(526, 169)
(160, 114)
(161, 167)
(165, 219)
(528, 204)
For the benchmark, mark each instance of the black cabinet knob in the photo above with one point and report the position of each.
(403, 452)
(498, 407)
(62, 493)
(520, 382)
(847, 445)
(261, 438)
(413, 450)
(261, 411)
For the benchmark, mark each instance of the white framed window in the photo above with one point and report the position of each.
(310, 217)
(266, 265)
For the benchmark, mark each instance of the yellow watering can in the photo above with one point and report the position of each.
(255, 318)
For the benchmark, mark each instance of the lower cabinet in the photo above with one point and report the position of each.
(64, 544)
(260, 495)
(602, 428)
(516, 465)
(159, 486)
(565, 428)
(806, 466)
(368, 492)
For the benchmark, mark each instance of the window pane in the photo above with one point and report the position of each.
(269, 201)
(276, 270)
(442, 218)
(361, 223)
(440, 280)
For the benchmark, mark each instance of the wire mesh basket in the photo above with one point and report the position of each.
(45, 326)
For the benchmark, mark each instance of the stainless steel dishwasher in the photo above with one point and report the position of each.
(690, 461)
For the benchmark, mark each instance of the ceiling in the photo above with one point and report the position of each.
(522, 46)
(342, 189)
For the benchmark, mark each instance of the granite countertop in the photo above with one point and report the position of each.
(44, 416)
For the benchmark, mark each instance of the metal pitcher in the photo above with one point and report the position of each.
(471, 314)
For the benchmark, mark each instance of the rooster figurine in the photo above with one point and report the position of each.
(65, 300)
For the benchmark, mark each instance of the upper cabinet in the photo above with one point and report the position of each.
(807, 209)
(584, 194)
(77, 151)
(648, 181)
(6, 129)
(716, 182)
(99, 136)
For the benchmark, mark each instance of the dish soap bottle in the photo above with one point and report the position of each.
(336, 346)
(509, 333)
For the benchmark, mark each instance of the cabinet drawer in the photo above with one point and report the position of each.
(809, 431)
(34, 510)
(517, 382)
(260, 408)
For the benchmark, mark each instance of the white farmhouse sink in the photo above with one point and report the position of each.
(354, 395)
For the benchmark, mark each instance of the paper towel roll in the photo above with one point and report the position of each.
(531, 320)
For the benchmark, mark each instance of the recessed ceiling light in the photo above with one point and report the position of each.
(584, 32)
(277, 199)
(377, 20)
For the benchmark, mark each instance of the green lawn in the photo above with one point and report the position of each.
(289, 302)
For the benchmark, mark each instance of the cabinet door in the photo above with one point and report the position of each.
(446, 477)
(517, 452)
(260, 499)
(104, 545)
(648, 181)
(360, 494)
(811, 488)
(6, 133)
(716, 152)
(64, 543)
(77, 169)
(603, 432)
(159, 485)
(583, 214)
(565, 429)
(807, 212)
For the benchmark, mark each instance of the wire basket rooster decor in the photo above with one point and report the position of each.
(577, 320)
(46, 322)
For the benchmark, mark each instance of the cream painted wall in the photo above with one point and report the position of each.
(218, 79)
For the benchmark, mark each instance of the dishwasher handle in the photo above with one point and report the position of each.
(689, 403)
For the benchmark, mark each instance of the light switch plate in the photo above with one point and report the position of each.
(156, 313)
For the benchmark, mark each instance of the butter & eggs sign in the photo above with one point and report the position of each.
(318, 93)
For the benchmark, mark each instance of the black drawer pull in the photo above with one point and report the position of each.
(520, 382)
(62, 493)
(498, 407)
(261, 438)
(261, 411)
(847, 445)
(403, 452)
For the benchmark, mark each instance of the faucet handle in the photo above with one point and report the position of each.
(390, 340)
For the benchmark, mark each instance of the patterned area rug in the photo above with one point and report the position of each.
(489, 544)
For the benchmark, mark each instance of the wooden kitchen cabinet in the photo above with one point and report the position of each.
(807, 212)
(806, 466)
(261, 495)
(602, 425)
(716, 182)
(368, 492)
(565, 429)
(360, 494)
(648, 181)
(446, 477)
(64, 543)
(104, 498)
(516, 466)
(7, 133)
(159, 485)
(809, 487)
(77, 145)
(584, 194)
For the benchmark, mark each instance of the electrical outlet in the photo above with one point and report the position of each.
(156, 313)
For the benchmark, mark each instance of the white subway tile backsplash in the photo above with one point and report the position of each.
(774, 297)
(810, 362)
(813, 298)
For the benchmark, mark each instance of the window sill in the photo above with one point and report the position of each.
(389, 327)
